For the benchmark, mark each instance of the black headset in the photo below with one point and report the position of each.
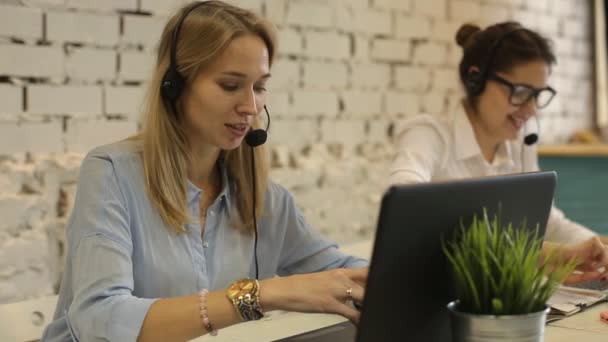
(475, 81)
(171, 88)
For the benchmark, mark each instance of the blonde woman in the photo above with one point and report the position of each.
(162, 242)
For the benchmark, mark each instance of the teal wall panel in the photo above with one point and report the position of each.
(582, 189)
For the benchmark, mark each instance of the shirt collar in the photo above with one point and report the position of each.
(194, 192)
(465, 144)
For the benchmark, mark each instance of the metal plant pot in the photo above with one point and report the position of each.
(489, 328)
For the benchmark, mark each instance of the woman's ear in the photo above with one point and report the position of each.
(473, 69)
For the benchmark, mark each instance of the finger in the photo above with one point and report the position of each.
(576, 277)
(358, 275)
(347, 311)
(357, 294)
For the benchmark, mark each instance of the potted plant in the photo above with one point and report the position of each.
(502, 283)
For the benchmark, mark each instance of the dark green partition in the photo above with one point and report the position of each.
(582, 188)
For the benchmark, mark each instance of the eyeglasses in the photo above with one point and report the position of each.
(522, 93)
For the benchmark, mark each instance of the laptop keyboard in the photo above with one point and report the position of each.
(593, 285)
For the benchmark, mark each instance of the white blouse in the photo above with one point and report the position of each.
(444, 148)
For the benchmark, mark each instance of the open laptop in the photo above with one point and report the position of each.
(408, 285)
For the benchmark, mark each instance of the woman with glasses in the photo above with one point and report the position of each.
(505, 72)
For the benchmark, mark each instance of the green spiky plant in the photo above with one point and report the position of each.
(498, 270)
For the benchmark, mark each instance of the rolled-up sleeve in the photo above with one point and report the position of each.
(103, 307)
(303, 250)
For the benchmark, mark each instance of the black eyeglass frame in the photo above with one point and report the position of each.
(534, 92)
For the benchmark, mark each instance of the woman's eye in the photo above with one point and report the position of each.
(260, 89)
(229, 87)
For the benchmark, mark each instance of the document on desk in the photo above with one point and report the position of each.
(567, 301)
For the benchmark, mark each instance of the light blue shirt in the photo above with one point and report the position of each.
(121, 256)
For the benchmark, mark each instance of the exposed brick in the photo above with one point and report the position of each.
(136, 66)
(314, 102)
(91, 64)
(349, 132)
(430, 54)
(361, 49)
(372, 21)
(252, 5)
(285, 73)
(278, 104)
(34, 137)
(413, 27)
(576, 29)
(491, 14)
(431, 8)
(538, 5)
(290, 41)
(82, 136)
(124, 100)
(399, 5)
(276, 11)
(378, 131)
(309, 14)
(407, 104)
(142, 30)
(11, 99)
(445, 31)
(20, 22)
(464, 10)
(369, 75)
(362, 103)
(31, 61)
(390, 50)
(412, 78)
(103, 6)
(162, 7)
(323, 75)
(445, 80)
(75, 100)
(80, 27)
(434, 103)
(327, 45)
(11, 178)
(294, 133)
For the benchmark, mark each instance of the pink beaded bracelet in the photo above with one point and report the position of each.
(203, 309)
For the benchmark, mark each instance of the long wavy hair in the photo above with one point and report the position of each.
(205, 33)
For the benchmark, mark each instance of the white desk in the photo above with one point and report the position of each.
(582, 327)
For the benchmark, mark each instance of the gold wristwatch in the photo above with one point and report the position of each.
(245, 296)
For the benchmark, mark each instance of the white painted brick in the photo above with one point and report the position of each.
(378, 131)
(530, 19)
(413, 27)
(31, 61)
(412, 78)
(454, 55)
(82, 136)
(353, 3)
(344, 16)
(136, 66)
(31, 137)
(348, 132)
(445, 31)
(445, 80)
(369, 75)
(563, 46)
(323, 75)
(431, 8)
(390, 50)
(361, 49)
(82, 28)
(430, 54)
(124, 100)
(278, 104)
(434, 103)
(285, 74)
(20, 22)
(399, 5)
(11, 99)
(327, 45)
(252, 5)
(12, 176)
(512, 3)
(464, 10)
(162, 7)
(491, 14)
(290, 41)
(576, 28)
(91, 64)
(103, 6)
(362, 103)
(538, 5)
(293, 133)
(407, 104)
(276, 11)
(144, 30)
(548, 26)
(372, 21)
(295, 179)
(583, 49)
(314, 102)
(309, 14)
(75, 100)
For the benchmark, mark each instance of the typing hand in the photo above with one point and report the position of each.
(592, 257)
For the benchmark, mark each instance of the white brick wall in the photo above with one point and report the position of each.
(73, 75)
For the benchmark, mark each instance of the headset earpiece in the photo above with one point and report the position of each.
(474, 83)
(172, 85)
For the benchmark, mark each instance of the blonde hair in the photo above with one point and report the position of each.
(205, 33)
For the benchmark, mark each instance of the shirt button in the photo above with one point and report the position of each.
(205, 244)
(212, 212)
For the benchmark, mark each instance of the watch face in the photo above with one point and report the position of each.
(241, 288)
